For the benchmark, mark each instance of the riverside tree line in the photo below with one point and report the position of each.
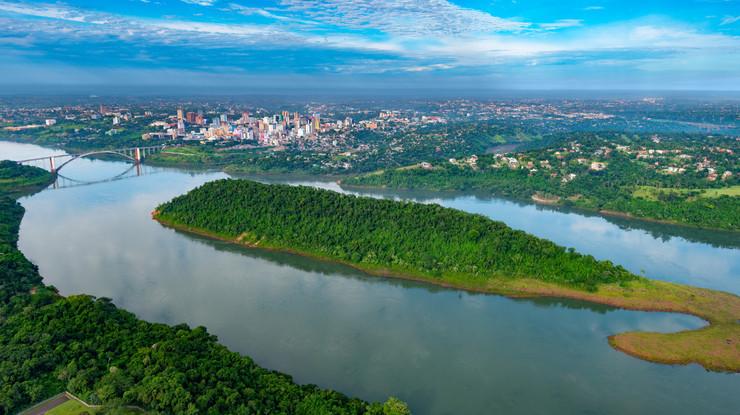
(105, 355)
(405, 237)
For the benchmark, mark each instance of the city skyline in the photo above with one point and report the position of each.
(339, 45)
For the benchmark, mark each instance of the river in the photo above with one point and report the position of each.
(443, 351)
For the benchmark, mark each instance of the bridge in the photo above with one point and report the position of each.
(56, 163)
(133, 171)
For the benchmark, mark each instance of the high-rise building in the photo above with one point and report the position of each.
(179, 114)
(316, 123)
(190, 117)
(224, 118)
(296, 120)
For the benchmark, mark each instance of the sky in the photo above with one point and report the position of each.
(306, 45)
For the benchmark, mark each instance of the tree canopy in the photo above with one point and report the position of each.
(405, 237)
(105, 355)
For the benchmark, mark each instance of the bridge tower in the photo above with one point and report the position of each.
(52, 166)
(137, 155)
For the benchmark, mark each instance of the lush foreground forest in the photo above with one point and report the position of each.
(456, 249)
(406, 237)
(105, 355)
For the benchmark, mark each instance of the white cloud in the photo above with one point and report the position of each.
(408, 18)
(49, 11)
(729, 20)
(415, 35)
(249, 11)
(216, 28)
(204, 3)
(561, 24)
(426, 68)
(75, 24)
(630, 41)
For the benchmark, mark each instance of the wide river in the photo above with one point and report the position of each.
(443, 351)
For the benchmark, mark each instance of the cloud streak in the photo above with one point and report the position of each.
(730, 20)
(361, 37)
(407, 18)
(204, 3)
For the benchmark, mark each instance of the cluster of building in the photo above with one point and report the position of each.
(535, 110)
(272, 130)
(575, 158)
(280, 129)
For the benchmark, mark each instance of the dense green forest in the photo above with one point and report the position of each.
(49, 343)
(614, 173)
(410, 238)
(16, 180)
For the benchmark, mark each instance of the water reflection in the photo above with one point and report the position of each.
(444, 351)
(327, 268)
(660, 231)
(668, 258)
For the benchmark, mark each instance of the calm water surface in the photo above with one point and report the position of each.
(443, 351)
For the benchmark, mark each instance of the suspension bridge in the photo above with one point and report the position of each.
(56, 163)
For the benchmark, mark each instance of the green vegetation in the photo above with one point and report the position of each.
(75, 407)
(409, 238)
(71, 407)
(455, 249)
(16, 180)
(106, 355)
(680, 181)
(654, 194)
(249, 160)
(75, 136)
(354, 152)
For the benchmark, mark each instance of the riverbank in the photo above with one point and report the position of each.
(48, 346)
(626, 215)
(14, 184)
(618, 183)
(538, 200)
(716, 346)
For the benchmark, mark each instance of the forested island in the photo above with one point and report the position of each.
(105, 355)
(680, 179)
(672, 162)
(455, 249)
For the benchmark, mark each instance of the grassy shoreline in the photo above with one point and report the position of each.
(716, 346)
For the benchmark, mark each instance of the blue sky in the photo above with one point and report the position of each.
(391, 44)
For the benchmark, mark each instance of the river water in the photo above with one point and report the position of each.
(443, 351)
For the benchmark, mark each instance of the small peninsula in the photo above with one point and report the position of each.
(447, 247)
